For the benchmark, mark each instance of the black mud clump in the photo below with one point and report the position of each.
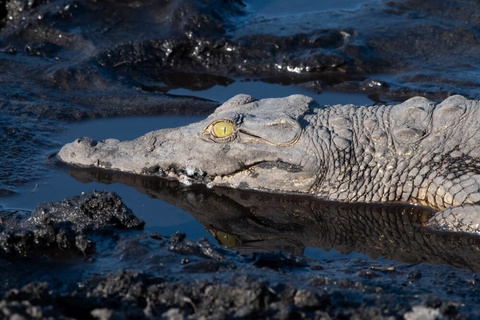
(55, 227)
(276, 260)
(201, 248)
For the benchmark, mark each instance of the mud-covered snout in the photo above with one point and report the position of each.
(155, 149)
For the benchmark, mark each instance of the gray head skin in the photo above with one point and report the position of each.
(416, 152)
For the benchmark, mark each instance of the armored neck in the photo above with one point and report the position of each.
(361, 160)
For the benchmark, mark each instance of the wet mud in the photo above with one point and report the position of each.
(65, 226)
(87, 257)
(132, 273)
(73, 46)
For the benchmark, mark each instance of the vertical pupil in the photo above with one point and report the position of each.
(222, 129)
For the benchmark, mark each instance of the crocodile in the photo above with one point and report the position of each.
(417, 152)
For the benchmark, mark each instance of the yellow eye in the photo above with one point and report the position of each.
(222, 129)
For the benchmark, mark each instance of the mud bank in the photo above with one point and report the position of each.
(73, 46)
(170, 277)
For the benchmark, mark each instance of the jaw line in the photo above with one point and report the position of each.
(189, 175)
(250, 172)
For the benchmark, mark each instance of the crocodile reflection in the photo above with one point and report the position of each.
(255, 221)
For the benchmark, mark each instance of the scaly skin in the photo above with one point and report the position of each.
(415, 152)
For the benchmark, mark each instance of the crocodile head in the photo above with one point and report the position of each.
(245, 143)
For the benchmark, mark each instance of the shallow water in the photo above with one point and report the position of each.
(261, 90)
(276, 8)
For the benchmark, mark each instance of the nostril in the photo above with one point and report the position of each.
(87, 141)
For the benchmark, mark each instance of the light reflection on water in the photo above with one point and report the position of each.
(277, 8)
(262, 90)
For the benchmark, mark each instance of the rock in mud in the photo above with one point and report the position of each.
(276, 260)
(66, 225)
(201, 248)
(177, 237)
